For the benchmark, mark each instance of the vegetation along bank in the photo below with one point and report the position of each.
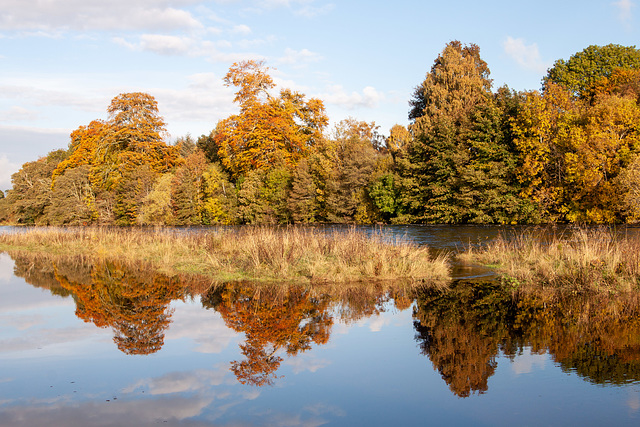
(470, 153)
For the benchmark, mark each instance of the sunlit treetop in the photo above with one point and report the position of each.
(251, 79)
(269, 129)
(585, 68)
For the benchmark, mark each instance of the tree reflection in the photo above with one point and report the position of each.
(462, 330)
(272, 319)
(279, 320)
(132, 300)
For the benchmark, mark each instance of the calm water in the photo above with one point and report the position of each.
(103, 344)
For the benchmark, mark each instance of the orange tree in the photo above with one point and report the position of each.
(269, 129)
(120, 151)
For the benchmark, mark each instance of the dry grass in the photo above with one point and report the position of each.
(248, 253)
(584, 260)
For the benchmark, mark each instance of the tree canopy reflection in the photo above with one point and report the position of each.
(462, 331)
(290, 319)
(132, 300)
(271, 319)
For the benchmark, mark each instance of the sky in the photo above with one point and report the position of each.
(62, 61)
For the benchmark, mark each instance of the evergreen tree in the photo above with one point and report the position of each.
(459, 166)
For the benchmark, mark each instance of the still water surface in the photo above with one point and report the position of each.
(104, 344)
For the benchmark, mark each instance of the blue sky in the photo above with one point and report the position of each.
(62, 61)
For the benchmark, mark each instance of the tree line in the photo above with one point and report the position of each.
(566, 153)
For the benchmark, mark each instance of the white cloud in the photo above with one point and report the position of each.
(299, 57)
(16, 113)
(241, 29)
(624, 8)
(7, 169)
(527, 56)
(369, 98)
(310, 11)
(305, 8)
(96, 15)
(166, 45)
(59, 92)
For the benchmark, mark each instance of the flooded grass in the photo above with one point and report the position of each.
(261, 254)
(582, 260)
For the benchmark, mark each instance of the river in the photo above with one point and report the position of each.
(102, 344)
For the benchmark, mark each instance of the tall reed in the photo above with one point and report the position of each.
(584, 259)
(247, 253)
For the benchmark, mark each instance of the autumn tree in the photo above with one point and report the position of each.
(156, 208)
(186, 190)
(269, 128)
(219, 197)
(302, 200)
(262, 196)
(72, 198)
(185, 145)
(125, 154)
(355, 157)
(31, 192)
(583, 69)
(629, 183)
(459, 167)
(574, 153)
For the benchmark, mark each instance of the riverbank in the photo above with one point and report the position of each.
(577, 260)
(258, 254)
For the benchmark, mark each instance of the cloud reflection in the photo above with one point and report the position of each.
(6, 268)
(205, 328)
(181, 382)
(526, 362)
(172, 411)
(306, 362)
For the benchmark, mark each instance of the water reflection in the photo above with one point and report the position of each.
(134, 301)
(464, 329)
(273, 320)
(131, 300)
(290, 319)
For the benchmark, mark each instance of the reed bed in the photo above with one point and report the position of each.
(581, 260)
(261, 254)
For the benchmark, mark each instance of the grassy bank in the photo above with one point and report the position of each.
(582, 260)
(247, 253)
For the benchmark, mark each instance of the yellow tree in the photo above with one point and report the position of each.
(611, 135)
(268, 129)
(545, 125)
